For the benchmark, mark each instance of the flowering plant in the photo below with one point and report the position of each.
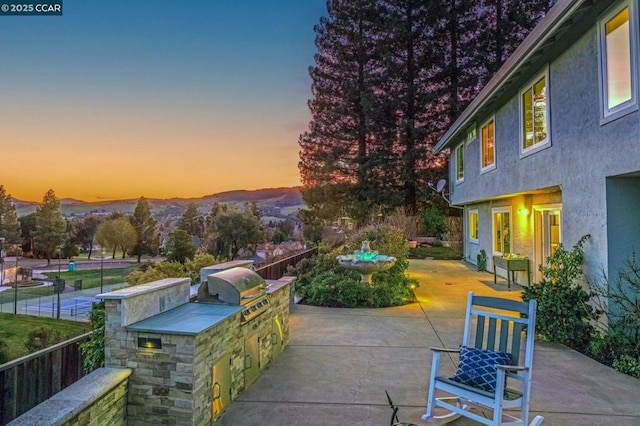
(514, 256)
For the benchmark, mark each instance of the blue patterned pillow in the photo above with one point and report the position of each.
(477, 367)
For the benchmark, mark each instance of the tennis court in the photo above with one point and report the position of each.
(77, 306)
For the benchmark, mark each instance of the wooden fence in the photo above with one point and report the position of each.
(27, 381)
(276, 270)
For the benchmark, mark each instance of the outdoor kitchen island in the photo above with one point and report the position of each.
(191, 359)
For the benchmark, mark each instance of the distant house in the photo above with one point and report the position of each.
(550, 149)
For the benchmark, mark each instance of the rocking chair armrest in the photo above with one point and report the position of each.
(449, 350)
(512, 367)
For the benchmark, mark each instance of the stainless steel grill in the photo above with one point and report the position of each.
(236, 286)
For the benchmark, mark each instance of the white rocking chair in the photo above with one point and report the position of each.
(497, 336)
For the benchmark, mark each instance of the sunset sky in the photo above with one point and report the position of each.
(121, 99)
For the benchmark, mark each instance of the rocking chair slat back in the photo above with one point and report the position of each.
(479, 332)
(497, 303)
(504, 337)
(515, 350)
(491, 338)
(496, 330)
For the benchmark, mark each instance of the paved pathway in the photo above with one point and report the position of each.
(340, 361)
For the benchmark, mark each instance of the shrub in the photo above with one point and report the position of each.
(41, 338)
(409, 225)
(605, 348)
(335, 290)
(454, 229)
(621, 301)
(345, 290)
(158, 271)
(434, 224)
(564, 314)
(628, 364)
(93, 349)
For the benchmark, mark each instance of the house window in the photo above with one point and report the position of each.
(618, 58)
(460, 163)
(501, 230)
(535, 114)
(472, 134)
(473, 226)
(488, 160)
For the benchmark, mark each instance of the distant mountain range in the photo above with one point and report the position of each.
(273, 202)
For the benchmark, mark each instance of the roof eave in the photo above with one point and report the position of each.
(557, 15)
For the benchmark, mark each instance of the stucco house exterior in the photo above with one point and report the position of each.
(550, 149)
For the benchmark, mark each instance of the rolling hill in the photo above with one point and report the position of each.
(275, 202)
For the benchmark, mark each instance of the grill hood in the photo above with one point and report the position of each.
(235, 286)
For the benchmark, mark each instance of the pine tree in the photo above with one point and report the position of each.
(146, 228)
(191, 221)
(336, 147)
(505, 24)
(51, 228)
(409, 91)
(9, 225)
(180, 246)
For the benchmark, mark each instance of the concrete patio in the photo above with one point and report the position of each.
(340, 361)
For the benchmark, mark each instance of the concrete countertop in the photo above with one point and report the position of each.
(275, 285)
(188, 319)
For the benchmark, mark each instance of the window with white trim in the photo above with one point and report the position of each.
(473, 226)
(487, 148)
(618, 61)
(460, 163)
(534, 114)
(501, 230)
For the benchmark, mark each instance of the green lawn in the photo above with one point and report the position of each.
(90, 279)
(437, 252)
(14, 329)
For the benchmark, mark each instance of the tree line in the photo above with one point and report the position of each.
(224, 232)
(390, 76)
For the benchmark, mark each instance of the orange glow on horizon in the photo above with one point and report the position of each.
(182, 157)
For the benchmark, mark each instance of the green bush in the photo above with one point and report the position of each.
(605, 348)
(628, 364)
(564, 314)
(93, 349)
(41, 338)
(158, 271)
(345, 290)
(434, 222)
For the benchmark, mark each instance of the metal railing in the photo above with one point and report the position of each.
(276, 270)
(27, 381)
